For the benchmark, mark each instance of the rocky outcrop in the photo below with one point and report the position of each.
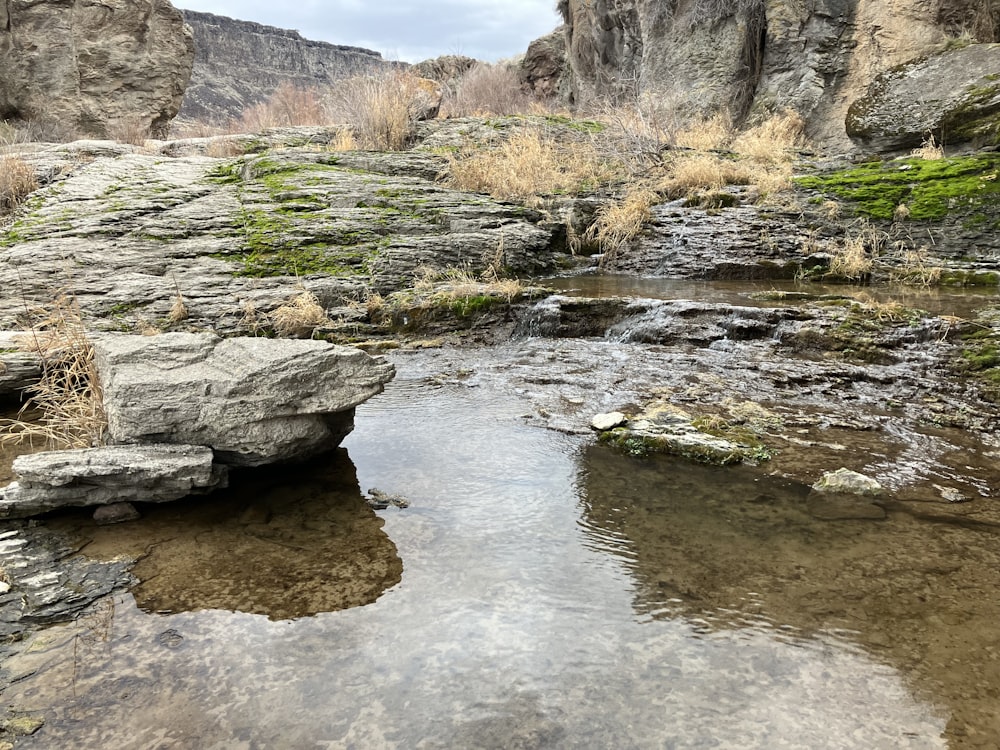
(543, 68)
(239, 63)
(253, 401)
(108, 475)
(239, 238)
(750, 58)
(954, 96)
(89, 68)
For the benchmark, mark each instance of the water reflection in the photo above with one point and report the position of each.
(734, 550)
(266, 546)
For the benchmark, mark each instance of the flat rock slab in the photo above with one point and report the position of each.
(106, 475)
(252, 400)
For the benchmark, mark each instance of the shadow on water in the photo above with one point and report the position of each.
(267, 545)
(733, 549)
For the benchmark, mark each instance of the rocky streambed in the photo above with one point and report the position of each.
(611, 570)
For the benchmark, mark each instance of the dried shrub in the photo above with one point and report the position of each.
(773, 140)
(489, 89)
(690, 173)
(131, 130)
(287, 106)
(17, 180)
(381, 110)
(706, 134)
(528, 164)
(618, 223)
(68, 395)
(299, 317)
(929, 150)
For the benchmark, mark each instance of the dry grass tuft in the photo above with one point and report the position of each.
(527, 165)
(17, 180)
(619, 222)
(705, 135)
(690, 173)
(68, 396)
(344, 141)
(929, 150)
(855, 258)
(774, 140)
(299, 317)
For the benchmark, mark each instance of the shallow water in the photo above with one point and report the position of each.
(552, 595)
(937, 300)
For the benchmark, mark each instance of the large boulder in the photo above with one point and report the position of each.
(254, 401)
(954, 96)
(543, 68)
(88, 66)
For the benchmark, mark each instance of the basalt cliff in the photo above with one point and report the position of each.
(752, 57)
(238, 63)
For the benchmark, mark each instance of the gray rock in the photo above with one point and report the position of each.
(543, 68)
(253, 400)
(954, 96)
(849, 483)
(106, 475)
(84, 67)
(240, 238)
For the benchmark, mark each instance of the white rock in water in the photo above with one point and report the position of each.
(605, 422)
(848, 482)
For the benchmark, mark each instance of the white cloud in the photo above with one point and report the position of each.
(485, 29)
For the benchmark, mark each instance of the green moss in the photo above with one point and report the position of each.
(970, 278)
(931, 189)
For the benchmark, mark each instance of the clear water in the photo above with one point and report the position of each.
(539, 592)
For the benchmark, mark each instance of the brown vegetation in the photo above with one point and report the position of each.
(17, 180)
(68, 395)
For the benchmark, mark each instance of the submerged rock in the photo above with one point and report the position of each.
(254, 401)
(848, 482)
(108, 475)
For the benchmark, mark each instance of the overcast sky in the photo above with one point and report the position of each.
(410, 31)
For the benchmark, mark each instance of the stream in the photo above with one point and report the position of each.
(540, 591)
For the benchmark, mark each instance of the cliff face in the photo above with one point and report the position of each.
(756, 56)
(86, 65)
(238, 64)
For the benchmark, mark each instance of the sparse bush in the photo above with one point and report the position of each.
(488, 89)
(288, 106)
(381, 110)
(529, 164)
(68, 395)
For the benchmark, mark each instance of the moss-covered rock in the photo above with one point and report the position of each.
(954, 96)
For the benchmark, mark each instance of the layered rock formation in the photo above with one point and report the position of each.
(239, 63)
(91, 67)
(755, 56)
